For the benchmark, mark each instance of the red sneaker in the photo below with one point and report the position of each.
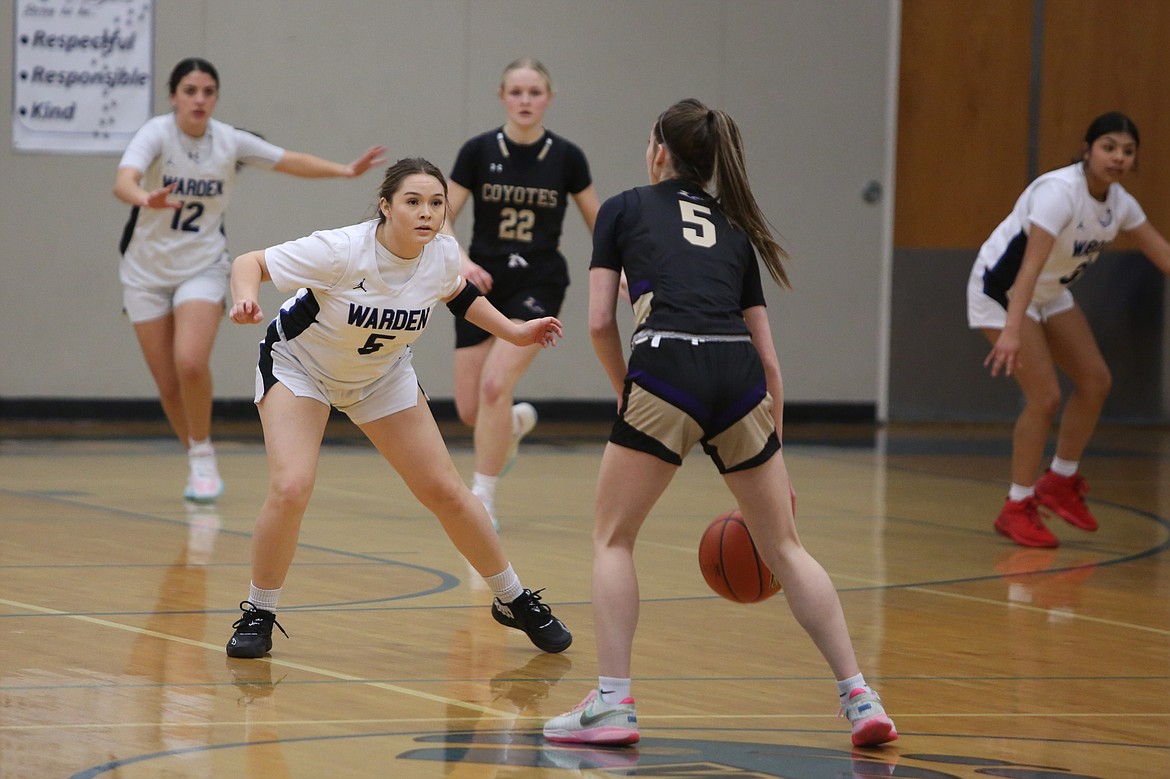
(1020, 521)
(1065, 497)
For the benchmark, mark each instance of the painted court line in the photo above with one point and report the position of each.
(276, 663)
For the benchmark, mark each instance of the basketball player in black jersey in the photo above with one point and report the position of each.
(520, 177)
(702, 369)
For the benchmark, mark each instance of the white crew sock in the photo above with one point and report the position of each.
(612, 690)
(264, 599)
(505, 584)
(1018, 492)
(1064, 468)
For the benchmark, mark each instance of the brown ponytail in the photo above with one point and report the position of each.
(705, 145)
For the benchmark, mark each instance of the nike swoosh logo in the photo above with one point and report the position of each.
(588, 719)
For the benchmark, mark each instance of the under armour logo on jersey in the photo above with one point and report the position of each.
(1108, 220)
(690, 195)
(496, 167)
(361, 285)
(516, 261)
(533, 305)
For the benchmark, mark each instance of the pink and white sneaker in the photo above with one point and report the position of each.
(865, 712)
(203, 483)
(594, 722)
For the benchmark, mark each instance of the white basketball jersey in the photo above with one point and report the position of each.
(359, 306)
(1060, 203)
(168, 245)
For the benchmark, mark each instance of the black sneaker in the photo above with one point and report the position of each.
(527, 613)
(253, 636)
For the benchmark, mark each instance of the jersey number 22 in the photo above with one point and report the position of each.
(516, 225)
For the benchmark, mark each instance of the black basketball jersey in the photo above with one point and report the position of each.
(688, 269)
(520, 191)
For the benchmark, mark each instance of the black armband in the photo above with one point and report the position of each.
(461, 302)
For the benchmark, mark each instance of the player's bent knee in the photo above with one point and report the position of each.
(291, 494)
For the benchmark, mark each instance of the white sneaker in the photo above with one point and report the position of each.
(203, 484)
(871, 725)
(523, 420)
(594, 722)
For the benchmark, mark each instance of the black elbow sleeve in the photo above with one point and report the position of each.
(461, 302)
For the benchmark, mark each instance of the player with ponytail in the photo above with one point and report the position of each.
(702, 369)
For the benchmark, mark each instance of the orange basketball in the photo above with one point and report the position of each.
(730, 563)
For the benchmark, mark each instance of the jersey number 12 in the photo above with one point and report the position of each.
(187, 225)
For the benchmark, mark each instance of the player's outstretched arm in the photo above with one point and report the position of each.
(248, 271)
(309, 166)
(128, 189)
(543, 331)
(1154, 246)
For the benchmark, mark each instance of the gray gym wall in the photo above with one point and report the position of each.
(809, 81)
(936, 365)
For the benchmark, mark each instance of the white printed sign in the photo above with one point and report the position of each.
(82, 73)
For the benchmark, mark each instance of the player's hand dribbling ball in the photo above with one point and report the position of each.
(730, 563)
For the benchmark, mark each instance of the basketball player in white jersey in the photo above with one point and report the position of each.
(1018, 295)
(178, 173)
(364, 294)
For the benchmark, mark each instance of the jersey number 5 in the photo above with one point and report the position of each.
(703, 231)
(373, 343)
(1069, 278)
